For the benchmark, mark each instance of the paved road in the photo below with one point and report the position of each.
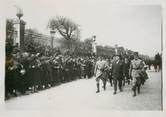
(80, 95)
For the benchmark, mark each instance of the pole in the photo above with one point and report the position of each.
(52, 42)
(116, 49)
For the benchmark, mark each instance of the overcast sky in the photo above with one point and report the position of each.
(135, 26)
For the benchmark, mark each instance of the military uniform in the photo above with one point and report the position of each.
(79, 69)
(10, 76)
(68, 70)
(55, 72)
(49, 73)
(135, 72)
(36, 74)
(23, 81)
(88, 68)
(100, 73)
(61, 76)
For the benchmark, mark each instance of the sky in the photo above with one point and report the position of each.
(133, 25)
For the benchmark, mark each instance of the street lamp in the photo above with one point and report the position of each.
(52, 32)
(94, 50)
(94, 37)
(19, 14)
(126, 51)
(116, 49)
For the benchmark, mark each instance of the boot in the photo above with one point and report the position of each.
(134, 94)
(121, 89)
(98, 89)
(104, 85)
(114, 93)
(111, 83)
(134, 91)
(138, 89)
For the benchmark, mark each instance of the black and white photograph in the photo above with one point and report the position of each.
(82, 55)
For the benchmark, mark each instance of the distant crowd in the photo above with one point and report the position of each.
(28, 73)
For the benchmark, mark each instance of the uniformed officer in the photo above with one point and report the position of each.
(68, 69)
(88, 67)
(135, 70)
(101, 65)
(12, 74)
(36, 73)
(79, 68)
(24, 78)
(61, 75)
(49, 72)
(55, 71)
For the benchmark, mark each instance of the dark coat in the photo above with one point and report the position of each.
(126, 68)
(117, 70)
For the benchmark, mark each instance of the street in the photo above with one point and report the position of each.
(81, 95)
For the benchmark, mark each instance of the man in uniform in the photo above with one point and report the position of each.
(88, 67)
(101, 65)
(55, 71)
(135, 71)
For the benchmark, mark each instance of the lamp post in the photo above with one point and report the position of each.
(116, 49)
(14, 37)
(19, 14)
(52, 32)
(126, 51)
(94, 44)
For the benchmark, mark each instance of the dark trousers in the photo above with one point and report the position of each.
(126, 78)
(110, 79)
(117, 83)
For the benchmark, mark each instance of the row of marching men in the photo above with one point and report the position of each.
(120, 71)
(28, 73)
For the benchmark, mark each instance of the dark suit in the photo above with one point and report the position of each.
(126, 68)
(117, 74)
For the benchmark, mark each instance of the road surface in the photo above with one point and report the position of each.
(80, 95)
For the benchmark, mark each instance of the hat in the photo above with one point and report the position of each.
(135, 53)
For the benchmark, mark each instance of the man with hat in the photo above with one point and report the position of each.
(117, 73)
(135, 72)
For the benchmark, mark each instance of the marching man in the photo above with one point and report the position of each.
(100, 73)
(117, 73)
(136, 67)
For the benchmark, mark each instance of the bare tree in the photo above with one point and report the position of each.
(66, 28)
